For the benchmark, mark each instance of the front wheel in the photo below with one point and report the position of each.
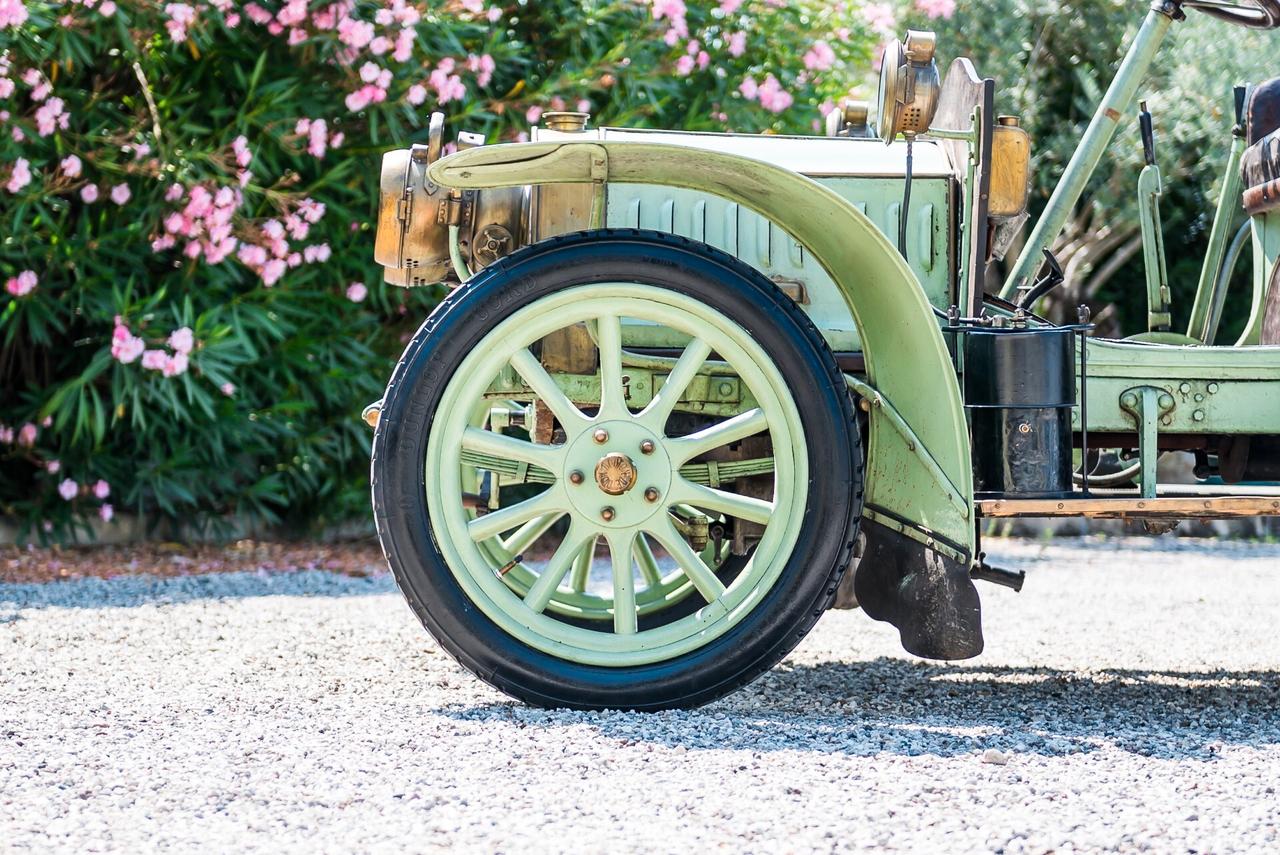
(617, 470)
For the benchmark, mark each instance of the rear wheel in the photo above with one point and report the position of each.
(644, 532)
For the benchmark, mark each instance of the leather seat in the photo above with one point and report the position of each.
(1260, 167)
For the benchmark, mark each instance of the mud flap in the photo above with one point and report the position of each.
(928, 596)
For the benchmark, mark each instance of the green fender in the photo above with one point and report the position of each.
(919, 480)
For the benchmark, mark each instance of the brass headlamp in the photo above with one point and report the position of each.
(909, 86)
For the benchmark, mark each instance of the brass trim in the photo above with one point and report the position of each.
(615, 473)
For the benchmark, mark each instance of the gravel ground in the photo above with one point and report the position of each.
(1129, 700)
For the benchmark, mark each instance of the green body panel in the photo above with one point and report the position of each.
(906, 357)
(766, 246)
(1214, 390)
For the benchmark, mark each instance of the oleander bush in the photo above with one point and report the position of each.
(191, 320)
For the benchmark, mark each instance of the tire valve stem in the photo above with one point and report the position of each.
(506, 568)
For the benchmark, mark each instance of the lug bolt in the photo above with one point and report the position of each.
(647, 447)
(651, 494)
(607, 514)
(575, 477)
(601, 436)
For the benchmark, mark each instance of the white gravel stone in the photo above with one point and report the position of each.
(1134, 685)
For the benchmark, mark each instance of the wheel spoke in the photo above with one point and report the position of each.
(582, 567)
(553, 574)
(529, 533)
(649, 569)
(741, 426)
(682, 374)
(613, 401)
(624, 586)
(689, 561)
(531, 370)
(510, 448)
(747, 508)
(496, 522)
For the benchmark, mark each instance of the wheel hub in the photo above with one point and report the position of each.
(617, 474)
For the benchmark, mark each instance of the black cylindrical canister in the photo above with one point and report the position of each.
(1020, 387)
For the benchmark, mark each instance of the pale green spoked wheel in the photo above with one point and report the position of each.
(507, 582)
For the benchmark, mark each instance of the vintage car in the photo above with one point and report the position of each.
(687, 381)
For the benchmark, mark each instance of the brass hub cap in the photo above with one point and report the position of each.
(615, 473)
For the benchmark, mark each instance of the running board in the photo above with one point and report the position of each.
(1128, 507)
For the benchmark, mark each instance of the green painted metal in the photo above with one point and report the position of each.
(1146, 404)
(1115, 105)
(765, 244)
(1207, 308)
(1159, 298)
(707, 394)
(1266, 254)
(906, 357)
(1213, 390)
(527, 608)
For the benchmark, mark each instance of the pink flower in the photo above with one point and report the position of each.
(181, 340)
(175, 365)
(21, 175)
(53, 466)
(937, 8)
(317, 138)
(6, 87)
(70, 166)
(357, 100)
(12, 13)
(749, 89)
(107, 9)
(106, 512)
(272, 271)
(155, 360)
(880, 17)
(820, 57)
(22, 284)
(355, 33)
(27, 435)
(533, 114)
(417, 94)
(49, 116)
(240, 148)
(125, 346)
(101, 489)
(684, 65)
(120, 194)
(773, 97)
(729, 6)
(483, 66)
(89, 193)
(68, 489)
(174, 193)
(227, 389)
(356, 292)
(311, 210)
(6, 435)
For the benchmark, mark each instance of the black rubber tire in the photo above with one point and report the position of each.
(806, 585)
